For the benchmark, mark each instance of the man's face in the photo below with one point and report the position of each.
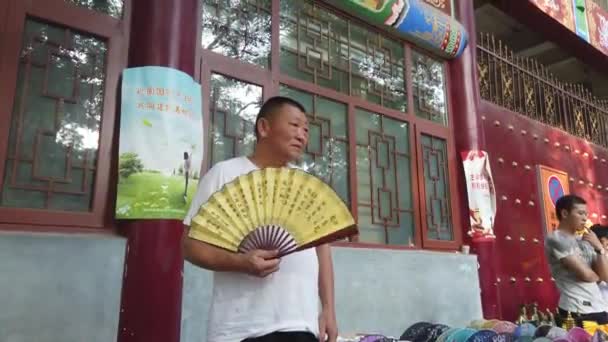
(576, 217)
(287, 131)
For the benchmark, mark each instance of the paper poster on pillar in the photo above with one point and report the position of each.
(481, 194)
(161, 143)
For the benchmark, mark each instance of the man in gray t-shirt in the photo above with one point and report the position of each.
(577, 263)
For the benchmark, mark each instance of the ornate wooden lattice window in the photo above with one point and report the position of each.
(54, 135)
(327, 151)
(389, 160)
(234, 106)
(334, 52)
(436, 188)
(385, 208)
(114, 8)
(54, 162)
(428, 82)
(238, 29)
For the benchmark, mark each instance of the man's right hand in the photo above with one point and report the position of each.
(258, 262)
(261, 263)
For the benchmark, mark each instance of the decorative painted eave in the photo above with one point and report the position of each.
(583, 17)
(413, 20)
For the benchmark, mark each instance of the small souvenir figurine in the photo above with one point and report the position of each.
(523, 315)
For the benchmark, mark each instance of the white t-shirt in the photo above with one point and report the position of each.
(245, 306)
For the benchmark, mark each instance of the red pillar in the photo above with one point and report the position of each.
(163, 33)
(469, 135)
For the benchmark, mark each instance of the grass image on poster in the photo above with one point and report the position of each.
(161, 143)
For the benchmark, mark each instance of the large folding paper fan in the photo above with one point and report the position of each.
(273, 208)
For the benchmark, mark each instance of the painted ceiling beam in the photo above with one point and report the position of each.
(415, 21)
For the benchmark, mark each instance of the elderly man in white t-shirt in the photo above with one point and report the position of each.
(256, 296)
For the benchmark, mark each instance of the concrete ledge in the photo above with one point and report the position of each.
(60, 287)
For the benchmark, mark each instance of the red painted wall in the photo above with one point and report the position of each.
(516, 146)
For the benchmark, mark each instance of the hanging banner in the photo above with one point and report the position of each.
(481, 194)
(161, 143)
(552, 185)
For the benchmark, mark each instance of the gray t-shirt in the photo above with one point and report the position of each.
(575, 296)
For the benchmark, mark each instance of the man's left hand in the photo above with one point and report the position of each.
(328, 327)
